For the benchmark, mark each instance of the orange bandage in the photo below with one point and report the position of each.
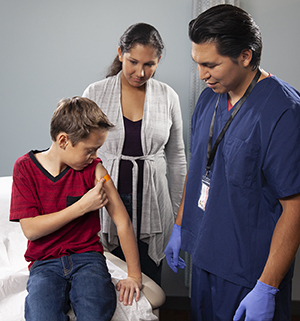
(107, 178)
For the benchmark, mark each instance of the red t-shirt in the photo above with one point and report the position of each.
(36, 192)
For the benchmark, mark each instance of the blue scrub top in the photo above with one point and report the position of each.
(256, 163)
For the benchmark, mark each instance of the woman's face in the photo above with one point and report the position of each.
(139, 64)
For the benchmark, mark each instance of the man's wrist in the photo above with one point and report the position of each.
(266, 288)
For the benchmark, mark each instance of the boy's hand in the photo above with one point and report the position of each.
(127, 289)
(94, 199)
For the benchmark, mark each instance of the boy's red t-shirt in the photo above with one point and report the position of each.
(36, 192)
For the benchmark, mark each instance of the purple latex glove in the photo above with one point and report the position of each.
(172, 250)
(258, 304)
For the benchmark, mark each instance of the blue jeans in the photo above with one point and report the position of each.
(81, 279)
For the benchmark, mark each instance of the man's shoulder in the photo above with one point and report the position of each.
(207, 95)
(282, 88)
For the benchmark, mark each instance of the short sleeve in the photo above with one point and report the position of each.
(282, 160)
(23, 198)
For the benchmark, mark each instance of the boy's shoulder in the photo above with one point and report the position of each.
(99, 170)
(28, 166)
(27, 160)
(23, 161)
(24, 158)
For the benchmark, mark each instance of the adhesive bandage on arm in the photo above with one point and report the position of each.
(106, 177)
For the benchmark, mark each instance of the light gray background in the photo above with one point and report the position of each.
(55, 49)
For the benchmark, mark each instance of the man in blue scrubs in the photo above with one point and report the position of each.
(240, 212)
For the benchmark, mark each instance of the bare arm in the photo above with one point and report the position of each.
(120, 217)
(180, 210)
(42, 225)
(285, 242)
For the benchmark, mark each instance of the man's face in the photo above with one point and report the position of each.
(220, 73)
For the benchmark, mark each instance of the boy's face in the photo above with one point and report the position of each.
(85, 151)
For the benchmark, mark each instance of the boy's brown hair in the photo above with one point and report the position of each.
(77, 117)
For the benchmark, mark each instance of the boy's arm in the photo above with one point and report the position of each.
(120, 217)
(42, 225)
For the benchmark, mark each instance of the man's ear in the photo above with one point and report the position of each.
(246, 57)
(62, 140)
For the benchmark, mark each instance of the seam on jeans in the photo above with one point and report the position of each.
(70, 263)
(33, 264)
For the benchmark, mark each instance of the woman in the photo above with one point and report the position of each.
(144, 153)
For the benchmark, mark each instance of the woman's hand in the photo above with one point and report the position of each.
(128, 287)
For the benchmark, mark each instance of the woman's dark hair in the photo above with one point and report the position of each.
(139, 33)
(231, 29)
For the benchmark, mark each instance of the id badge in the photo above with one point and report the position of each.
(204, 192)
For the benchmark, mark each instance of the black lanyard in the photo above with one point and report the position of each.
(211, 151)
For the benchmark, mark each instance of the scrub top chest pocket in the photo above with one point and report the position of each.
(241, 162)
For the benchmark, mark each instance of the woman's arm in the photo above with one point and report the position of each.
(175, 154)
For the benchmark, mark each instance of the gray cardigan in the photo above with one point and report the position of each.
(164, 160)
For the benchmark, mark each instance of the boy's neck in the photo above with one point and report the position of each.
(50, 160)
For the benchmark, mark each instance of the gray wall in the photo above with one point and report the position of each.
(54, 49)
(280, 25)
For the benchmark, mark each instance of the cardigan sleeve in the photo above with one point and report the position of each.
(175, 153)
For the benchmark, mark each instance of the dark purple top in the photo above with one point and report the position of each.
(132, 147)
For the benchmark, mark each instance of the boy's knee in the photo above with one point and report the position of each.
(101, 307)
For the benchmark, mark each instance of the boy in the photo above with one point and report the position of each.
(56, 196)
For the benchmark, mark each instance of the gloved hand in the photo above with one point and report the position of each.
(172, 250)
(258, 305)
